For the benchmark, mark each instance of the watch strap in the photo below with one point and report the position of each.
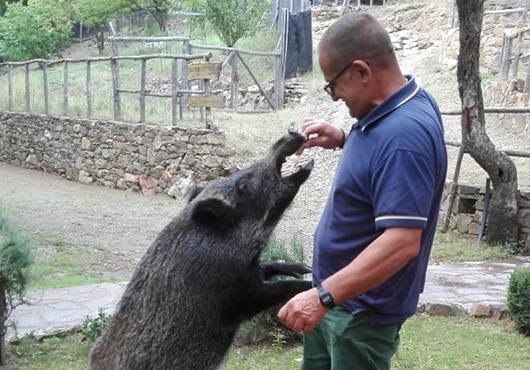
(325, 297)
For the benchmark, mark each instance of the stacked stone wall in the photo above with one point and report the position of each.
(468, 211)
(114, 154)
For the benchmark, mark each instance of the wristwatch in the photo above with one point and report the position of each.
(326, 299)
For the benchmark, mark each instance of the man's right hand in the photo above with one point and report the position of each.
(320, 133)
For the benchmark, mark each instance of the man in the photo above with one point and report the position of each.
(372, 244)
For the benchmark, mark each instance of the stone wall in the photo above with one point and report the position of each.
(468, 210)
(114, 154)
(509, 94)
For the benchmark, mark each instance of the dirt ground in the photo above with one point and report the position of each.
(115, 228)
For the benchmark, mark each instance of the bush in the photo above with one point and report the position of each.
(91, 328)
(265, 327)
(519, 299)
(37, 30)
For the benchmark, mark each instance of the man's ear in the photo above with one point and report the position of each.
(214, 212)
(362, 68)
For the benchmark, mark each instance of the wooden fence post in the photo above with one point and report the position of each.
(141, 96)
(517, 54)
(115, 88)
(505, 55)
(115, 70)
(88, 90)
(44, 66)
(9, 88)
(526, 88)
(234, 86)
(452, 192)
(27, 93)
(174, 91)
(184, 84)
(65, 88)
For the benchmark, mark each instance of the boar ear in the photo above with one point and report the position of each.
(214, 212)
(194, 192)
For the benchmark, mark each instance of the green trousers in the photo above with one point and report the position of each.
(342, 341)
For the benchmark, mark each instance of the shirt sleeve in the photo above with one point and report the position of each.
(403, 188)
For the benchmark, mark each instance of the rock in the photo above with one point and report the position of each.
(147, 184)
(84, 178)
(439, 309)
(480, 310)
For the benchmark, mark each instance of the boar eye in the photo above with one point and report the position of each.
(243, 185)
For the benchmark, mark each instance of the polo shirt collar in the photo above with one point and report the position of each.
(397, 99)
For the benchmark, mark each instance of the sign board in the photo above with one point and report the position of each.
(203, 70)
(207, 101)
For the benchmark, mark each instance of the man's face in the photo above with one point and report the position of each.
(344, 83)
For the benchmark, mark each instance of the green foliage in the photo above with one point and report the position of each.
(230, 19)
(3, 5)
(37, 30)
(95, 13)
(91, 328)
(264, 327)
(159, 9)
(519, 299)
(15, 259)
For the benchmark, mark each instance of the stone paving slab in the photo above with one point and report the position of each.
(460, 285)
(62, 309)
(463, 285)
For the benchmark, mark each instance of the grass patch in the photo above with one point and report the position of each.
(427, 343)
(453, 247)
(67, 353)
(461, 343)
(58, 265)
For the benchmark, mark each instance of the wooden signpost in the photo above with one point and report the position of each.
(205, 71)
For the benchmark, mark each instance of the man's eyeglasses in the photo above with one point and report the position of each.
(330, 85)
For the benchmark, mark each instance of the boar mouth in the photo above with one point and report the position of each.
(291, 167)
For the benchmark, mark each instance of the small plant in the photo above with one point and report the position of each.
(278, 340)
(519, 299)
(91, 328)
(513, 249)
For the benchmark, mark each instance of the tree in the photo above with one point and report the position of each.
(231, 19)
(159, 9)
(3, 5)
(15, 260)
(95, 14)
(502, 217)
(37, 30)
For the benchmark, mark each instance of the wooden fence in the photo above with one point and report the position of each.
(180, 79)
(234, 56)
(462, 151)
(43, 65)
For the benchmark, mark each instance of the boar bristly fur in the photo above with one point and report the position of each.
(202, 277)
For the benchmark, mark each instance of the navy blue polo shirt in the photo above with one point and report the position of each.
(391, 174)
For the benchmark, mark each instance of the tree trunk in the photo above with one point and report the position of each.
(2, 325)
(100, 39)
(502, 218)
(161, 18)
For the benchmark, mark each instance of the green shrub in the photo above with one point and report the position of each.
(265, 327)
(37, 30)
(519, 299)
(91, 328)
